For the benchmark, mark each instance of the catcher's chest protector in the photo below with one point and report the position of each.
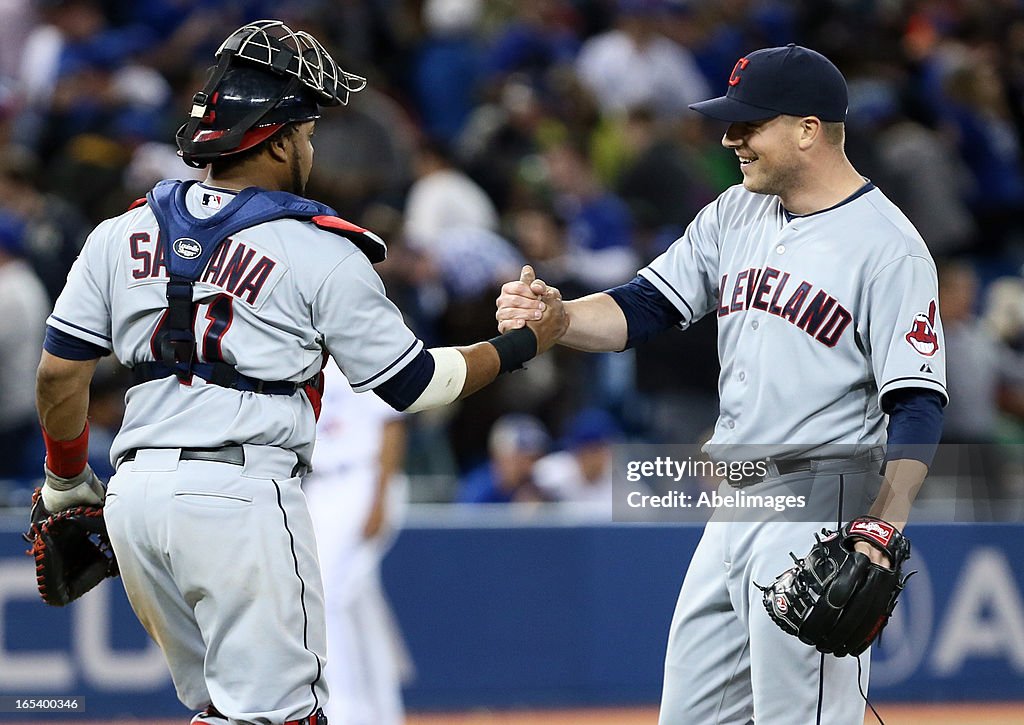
(191, 243)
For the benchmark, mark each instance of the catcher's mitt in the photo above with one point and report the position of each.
(71, 550)
(835, 598)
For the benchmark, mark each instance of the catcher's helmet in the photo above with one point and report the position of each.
(267, 75)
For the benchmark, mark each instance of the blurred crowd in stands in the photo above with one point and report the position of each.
(498, 132)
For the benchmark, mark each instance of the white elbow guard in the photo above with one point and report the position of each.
(447, 382)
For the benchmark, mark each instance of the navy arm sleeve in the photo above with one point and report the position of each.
(60, 344)
(403, 388)
(647, 310)
(915, 424)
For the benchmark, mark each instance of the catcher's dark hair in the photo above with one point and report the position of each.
(226, 164)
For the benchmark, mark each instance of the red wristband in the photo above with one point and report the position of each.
(67, 458)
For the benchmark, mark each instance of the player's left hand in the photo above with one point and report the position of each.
(85, 489)
(876, 555)
(71, 549)
(840, 595)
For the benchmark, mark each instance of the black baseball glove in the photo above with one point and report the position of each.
(835, 598)
(71, 550)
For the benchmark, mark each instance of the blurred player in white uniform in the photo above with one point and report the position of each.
(581, 473)
(226, 298)
(357, 498)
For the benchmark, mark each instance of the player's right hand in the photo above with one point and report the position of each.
(554, 319)
(521, 301)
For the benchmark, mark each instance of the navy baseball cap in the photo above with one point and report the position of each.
(791, 81)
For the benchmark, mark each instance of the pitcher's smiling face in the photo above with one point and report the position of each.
(768, 153)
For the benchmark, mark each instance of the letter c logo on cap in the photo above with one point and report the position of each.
(734, 78)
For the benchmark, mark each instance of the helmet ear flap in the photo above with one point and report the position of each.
(181, 137)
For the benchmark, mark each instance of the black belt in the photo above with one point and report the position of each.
(235, 455)
(784, 466)
(794, 465)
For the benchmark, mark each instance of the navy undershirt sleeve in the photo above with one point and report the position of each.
(68, 347)
(915, 424)
(647, 310)
(404, 387)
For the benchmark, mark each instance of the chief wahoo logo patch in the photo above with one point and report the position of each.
(922, 335)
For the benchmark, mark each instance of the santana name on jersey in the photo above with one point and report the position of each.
(232, 268)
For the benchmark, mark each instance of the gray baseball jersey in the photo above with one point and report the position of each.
(819, 316)
(273, 299)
